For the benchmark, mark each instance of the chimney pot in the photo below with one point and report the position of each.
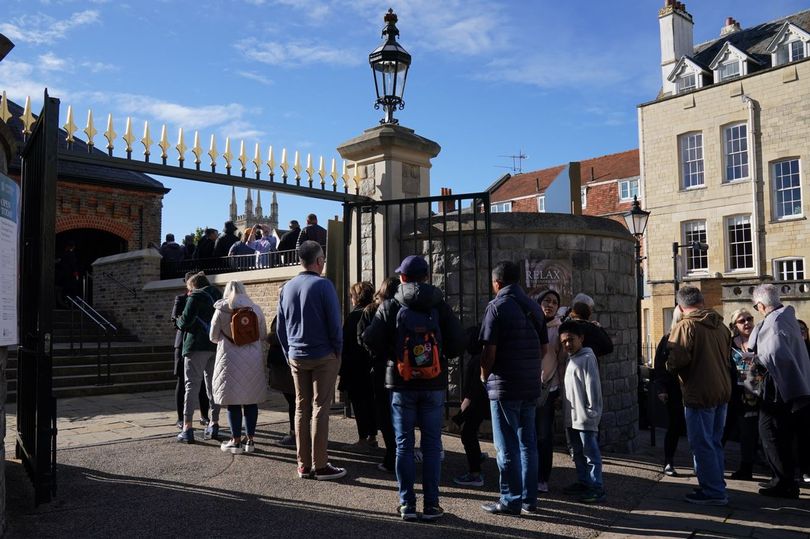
(729, 21)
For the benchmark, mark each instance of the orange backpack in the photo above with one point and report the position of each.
(244, 326)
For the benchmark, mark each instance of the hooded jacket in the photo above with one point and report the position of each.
(777, 341)
(381, 336)
(196, 319)
(699, 348)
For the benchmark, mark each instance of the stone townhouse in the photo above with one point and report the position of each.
(725, 161)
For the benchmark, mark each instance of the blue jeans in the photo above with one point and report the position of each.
(425, 409)
(704, 430)
(515, 440)
(235, 419)
(587, 457)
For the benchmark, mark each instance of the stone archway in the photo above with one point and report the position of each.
(72, 222)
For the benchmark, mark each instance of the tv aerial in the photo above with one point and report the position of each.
(517, 162)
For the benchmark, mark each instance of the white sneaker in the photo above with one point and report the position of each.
(231, 447)
(542, 486)
(250, 446)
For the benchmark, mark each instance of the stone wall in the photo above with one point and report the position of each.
(600, 254)
(127, 287)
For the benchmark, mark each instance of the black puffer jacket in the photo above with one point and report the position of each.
(381, 336)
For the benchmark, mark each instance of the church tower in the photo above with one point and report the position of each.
(248, 206)
(259, 204)
(254, 216)
(234, 208)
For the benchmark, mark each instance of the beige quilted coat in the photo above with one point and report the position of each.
(239, 371)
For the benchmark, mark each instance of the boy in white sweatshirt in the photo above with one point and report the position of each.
(582, 413)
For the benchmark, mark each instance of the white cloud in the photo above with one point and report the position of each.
(19, 81)
(50, 62)
(98, 67)
(258, 77)
(554, 70)
(44, 29)
(296, 53)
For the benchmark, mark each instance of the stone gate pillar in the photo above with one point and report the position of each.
(392, 162)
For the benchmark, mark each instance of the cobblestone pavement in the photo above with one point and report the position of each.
(121, 473)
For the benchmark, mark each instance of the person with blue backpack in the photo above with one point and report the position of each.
(418, 331)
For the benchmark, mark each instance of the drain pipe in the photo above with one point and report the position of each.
(755, 222)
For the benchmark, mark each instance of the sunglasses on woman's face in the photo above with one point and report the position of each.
(746, 319)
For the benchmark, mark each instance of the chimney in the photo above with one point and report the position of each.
(448, 206)
(730, 27)
(676, 28)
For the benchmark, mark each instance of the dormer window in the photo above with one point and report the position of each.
(791, 44)
(685, 83)
(729, 70)
(686, 76)
(730, 63)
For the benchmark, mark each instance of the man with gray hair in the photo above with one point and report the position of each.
(311, 334)
(785, 396)
(699, 346)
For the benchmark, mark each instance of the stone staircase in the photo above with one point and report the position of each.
(134, 366)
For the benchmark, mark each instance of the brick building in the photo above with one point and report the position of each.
(724, 161)
(104, 211)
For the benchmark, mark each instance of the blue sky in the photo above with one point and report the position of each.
(559, 81)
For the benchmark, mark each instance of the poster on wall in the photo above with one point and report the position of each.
(554, 274)
(9, 246)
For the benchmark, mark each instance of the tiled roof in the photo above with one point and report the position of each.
(607, 167)
(752, 41)
(92, 174)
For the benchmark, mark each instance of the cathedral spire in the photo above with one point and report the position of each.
(234, 208)
(274, 212)
(258, 204)
(248, 205)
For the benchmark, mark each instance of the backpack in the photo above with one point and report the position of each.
(418, 344)
(244, 326)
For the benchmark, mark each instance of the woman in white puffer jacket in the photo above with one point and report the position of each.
(240, 380)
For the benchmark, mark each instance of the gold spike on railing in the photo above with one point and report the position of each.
(271, 163)
(110, 134)
(69, 126)
(356, 177)
(345, 177)
(27, 118)
(297, 168)
(242, 157)
(212, 153)
(257, 160)
(333, 174)
(321, 172)
(181, 147)
(309, 170)
(197, 150)
(128, 137)
(227, 154)
(146, 141)
(164, 144)
(284, 165)
(5, 115)
(90, 130)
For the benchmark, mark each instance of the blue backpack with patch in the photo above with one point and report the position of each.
(419, 346)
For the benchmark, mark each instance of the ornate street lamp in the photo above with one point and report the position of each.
(636, 219)
(389, 64)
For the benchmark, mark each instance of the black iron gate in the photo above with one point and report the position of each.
(36, 406)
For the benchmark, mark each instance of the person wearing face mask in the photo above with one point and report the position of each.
(743, 412)
(551, 366)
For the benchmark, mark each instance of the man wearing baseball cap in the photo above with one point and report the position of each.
(416, 401)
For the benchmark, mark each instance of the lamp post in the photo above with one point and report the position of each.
(636, 220)
(389, 64)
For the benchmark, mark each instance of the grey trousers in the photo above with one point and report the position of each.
(199, 367)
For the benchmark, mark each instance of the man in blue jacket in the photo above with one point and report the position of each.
(311, 334)
(515, 340)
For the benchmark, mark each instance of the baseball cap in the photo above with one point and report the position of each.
(413, 266)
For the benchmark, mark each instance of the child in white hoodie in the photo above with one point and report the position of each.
(582, 413)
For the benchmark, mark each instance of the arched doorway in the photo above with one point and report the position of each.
(90, 244)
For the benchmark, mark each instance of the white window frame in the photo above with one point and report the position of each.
(728, 65)
(541, 203)
(688, 231)
(501, 207)
(796, 273)
(738, 220)
(583, 195)
(681, 86)
(778, 215)
(739, 154)
(788, 39)
(686, 161)
(728, 55)
(630, 194)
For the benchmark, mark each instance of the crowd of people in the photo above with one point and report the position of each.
(529, 357)
(254, 248)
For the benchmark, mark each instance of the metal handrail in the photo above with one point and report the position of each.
(112, 277)
(173, 269)
(102, 324)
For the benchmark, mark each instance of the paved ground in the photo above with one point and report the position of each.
(121, 474)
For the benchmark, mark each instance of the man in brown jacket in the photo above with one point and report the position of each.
(700, 345)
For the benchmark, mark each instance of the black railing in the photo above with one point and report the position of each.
(171, 269)
(103, 328)
(113, 278)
